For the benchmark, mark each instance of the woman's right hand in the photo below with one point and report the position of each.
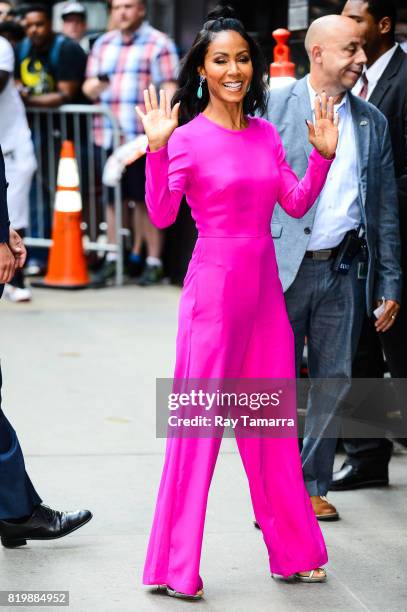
(160, 120)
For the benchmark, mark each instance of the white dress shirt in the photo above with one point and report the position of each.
(338, 208)
(374, 73)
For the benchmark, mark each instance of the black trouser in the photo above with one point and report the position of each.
(18, 497)
(374, 454)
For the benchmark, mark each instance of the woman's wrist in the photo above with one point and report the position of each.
(157, 145)
(324, 155)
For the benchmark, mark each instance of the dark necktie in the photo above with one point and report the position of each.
(365, 86)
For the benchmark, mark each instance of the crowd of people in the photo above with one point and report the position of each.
(336, 253)
(45, 69)
(50, 69)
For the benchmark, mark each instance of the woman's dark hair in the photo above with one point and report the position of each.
(219, 20)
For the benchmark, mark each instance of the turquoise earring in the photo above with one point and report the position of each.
(200, 92)
(248, 89)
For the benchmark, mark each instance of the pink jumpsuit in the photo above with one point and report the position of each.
(232, 324)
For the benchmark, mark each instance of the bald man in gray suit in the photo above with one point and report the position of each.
(358, 203)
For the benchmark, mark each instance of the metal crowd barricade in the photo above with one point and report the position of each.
(49, 128)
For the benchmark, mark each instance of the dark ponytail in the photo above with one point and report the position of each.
(221, 19)
(221, 12)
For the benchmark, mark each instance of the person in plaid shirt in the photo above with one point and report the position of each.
(121, 65)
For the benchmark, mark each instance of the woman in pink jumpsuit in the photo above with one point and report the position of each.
(232, 318)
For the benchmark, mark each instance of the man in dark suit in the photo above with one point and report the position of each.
(22, 515)
(384, 84)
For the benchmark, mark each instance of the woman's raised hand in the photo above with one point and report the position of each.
(324, 133)
(160, 120)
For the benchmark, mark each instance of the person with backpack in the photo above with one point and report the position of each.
(50, 67)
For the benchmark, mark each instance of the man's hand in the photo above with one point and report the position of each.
(23, 91)
(93, 87)
(17, 248)
(386, 320)
(7, 264)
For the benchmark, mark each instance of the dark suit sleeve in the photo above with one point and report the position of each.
(4, 220)
(388, 271)
(402, 176)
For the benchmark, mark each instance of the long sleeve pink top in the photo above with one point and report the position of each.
(231, 178)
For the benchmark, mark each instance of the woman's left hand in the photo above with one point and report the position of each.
(324, 133)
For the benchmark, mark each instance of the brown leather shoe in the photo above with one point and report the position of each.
(324, 511)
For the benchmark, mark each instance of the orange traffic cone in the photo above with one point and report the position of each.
(66, 263)
(282, 70)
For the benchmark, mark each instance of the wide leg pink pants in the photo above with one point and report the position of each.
(232, 325)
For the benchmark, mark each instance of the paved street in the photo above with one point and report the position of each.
(79, 375)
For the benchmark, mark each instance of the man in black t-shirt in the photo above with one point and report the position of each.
(50, 67)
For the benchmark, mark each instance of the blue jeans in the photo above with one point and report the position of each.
(327, 308)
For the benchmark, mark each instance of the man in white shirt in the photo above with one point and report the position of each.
(385, 86)
(338, 209)
(19, 158)
(324, 304)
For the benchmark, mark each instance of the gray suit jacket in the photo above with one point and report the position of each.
(287, 109)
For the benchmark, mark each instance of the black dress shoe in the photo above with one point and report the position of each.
(43, 524)
(350, 477)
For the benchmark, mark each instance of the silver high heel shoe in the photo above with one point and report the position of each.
(172, 593)
(311, 577)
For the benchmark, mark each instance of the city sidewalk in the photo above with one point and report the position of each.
(79, 375)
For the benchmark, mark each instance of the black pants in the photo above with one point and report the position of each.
(374, 454)
(18, 497)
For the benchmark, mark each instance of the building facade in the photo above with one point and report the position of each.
(183, 18)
